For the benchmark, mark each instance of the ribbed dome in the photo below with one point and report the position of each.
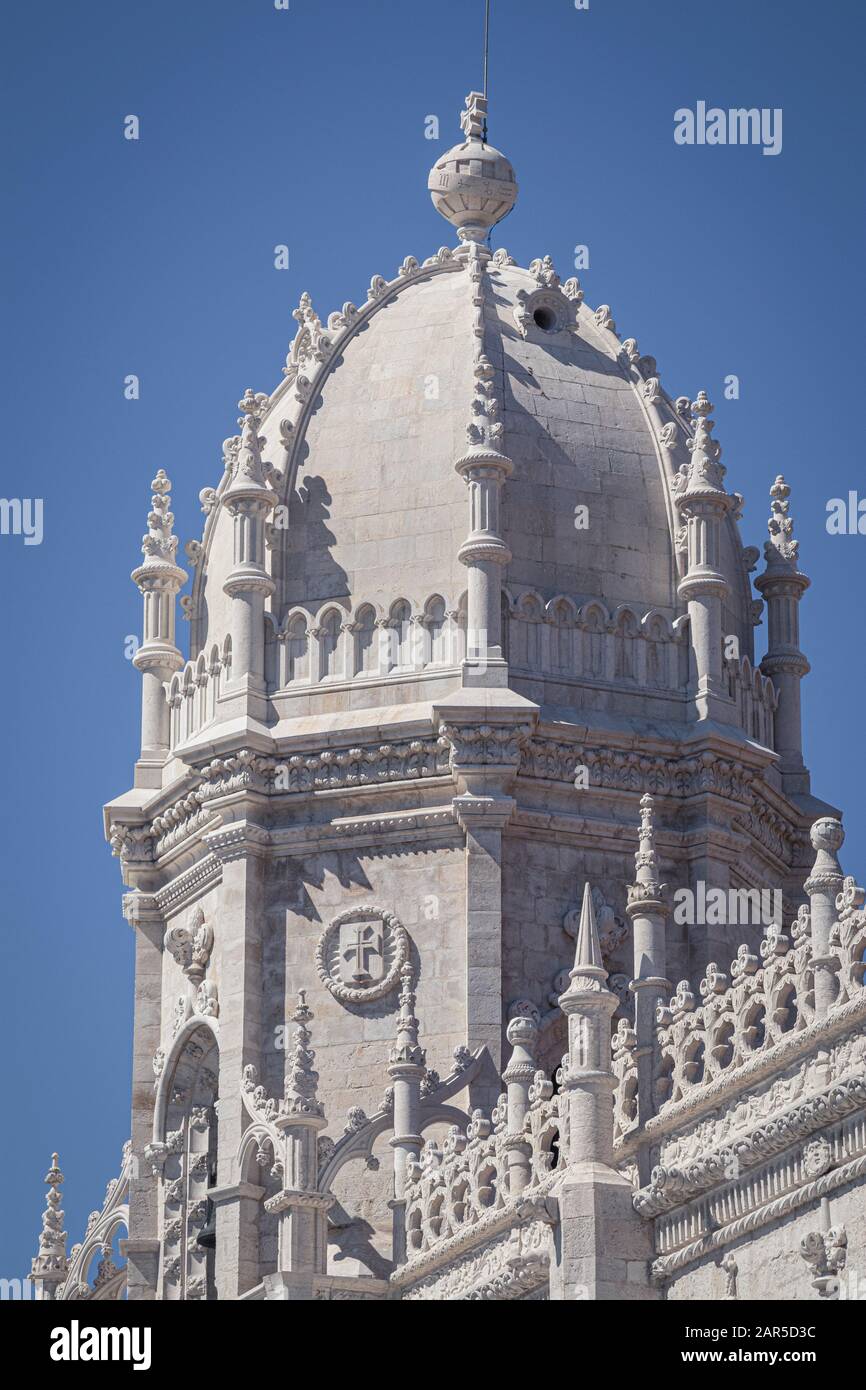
(372, 416)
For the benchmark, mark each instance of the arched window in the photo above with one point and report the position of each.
(436, 644)
(401, 645)
(329, 645)
(190, 1172)
(561, 640)
(656, 654)
(297, 668)
(366, 652)
(624, 636)
(594, 648)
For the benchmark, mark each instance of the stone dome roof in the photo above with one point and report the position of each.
(362, 436)
(359, 463)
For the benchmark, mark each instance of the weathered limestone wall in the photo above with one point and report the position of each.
(425, 888)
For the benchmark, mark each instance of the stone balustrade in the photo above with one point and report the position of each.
(737, 1016)
(482, 1170)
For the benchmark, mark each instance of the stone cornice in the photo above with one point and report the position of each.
(192, 808)
(671, 1188)
(804, 1195)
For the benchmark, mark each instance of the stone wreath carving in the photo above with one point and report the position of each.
(361, 953)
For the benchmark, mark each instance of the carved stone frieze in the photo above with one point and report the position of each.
(515, 1264)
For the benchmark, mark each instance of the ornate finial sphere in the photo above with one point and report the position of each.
(827, 834)
(473, 185)
(522, 1029)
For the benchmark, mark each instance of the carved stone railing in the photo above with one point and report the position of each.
(454, 1187)
(766, 997)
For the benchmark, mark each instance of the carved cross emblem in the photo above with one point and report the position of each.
(361, 943)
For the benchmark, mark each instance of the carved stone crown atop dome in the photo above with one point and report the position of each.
(473, 185)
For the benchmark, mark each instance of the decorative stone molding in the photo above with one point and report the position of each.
(102, 1226)
(486, 744)
(759, 1217)
(548, 308)
(349, 767)
(826, 1254)
(670, 1187)
(511, 1267)
(368, 967)
(191, 946)
(715, 1114)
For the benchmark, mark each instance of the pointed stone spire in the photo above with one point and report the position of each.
(700, 497)
(50, 1267)
(159, 580)
(706, 471)
(587, 1077)
(781, 548)
(473, 185)
(248, 499)
(301, 1207)
(248, 478)
(588, 962)
(648, 909)
(406, 1051)
(301, 1095)
(646, 884)
(159, 546)
(782, 586)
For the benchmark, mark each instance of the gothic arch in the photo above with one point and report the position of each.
(185, 1148)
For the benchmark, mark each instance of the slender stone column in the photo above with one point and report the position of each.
(522, 1034)
(588, 1081)
(823, 886)
(703, 505)
(249, 501)
(303, 1210)
(406, 1070)
(159, 579)
(484, 468)
(602, 1247)
(648, 909)
(241, 847)
(783, 586)
(50, 1267)
(142, 1244)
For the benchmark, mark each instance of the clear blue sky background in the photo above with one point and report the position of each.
(306, 127)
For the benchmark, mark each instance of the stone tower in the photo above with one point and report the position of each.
(471, 679)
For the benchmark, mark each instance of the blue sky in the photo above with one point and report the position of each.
(156, 257)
